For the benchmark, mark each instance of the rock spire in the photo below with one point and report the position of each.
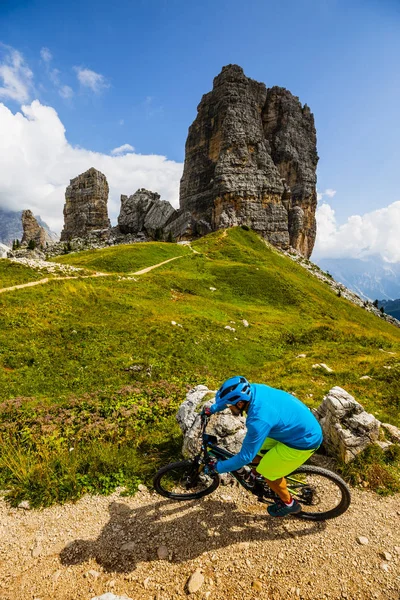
(32, 231)
(85, 208)
(251, 159)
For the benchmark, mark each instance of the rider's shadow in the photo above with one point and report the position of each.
(187, 529)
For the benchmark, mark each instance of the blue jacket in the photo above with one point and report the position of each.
(276, 414)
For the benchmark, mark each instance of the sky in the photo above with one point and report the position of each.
(84, 83)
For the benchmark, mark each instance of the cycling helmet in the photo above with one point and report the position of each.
(234, 390)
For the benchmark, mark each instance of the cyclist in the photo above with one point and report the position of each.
(282, 433)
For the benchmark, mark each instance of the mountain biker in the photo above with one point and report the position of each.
(282, 433)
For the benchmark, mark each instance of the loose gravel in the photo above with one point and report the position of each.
(223, 546)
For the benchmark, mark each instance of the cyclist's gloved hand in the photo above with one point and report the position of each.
(206, 412)
(209, 469)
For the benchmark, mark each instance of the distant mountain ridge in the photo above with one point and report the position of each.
(11, 226)
(371, 278)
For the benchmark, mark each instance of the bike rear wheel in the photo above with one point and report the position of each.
(321, 493)
(184, 481)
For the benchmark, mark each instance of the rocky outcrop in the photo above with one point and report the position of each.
(251, 159)
(348, 429)
(144, 212)
(85, 208)
(32, 231)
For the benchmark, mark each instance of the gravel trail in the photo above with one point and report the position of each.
(113, 544)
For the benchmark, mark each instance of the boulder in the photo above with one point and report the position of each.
(348, 429)
(230, 430)
(145, 212)
(250, 159)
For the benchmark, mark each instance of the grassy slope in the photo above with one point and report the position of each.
(14, 274)
(123, 259)
(74, 338)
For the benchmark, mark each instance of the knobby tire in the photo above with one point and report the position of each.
(182, 466)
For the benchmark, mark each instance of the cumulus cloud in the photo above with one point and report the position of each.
(38, 162)
(15, 76)
(122, 149)
(376, 232)
(94, 81)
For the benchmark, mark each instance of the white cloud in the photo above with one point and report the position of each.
(46, 55)
(95, 81)
(377, 232)
(15, 75)
(38, 162)
(122, 149)
(330, 193)
(66, 92)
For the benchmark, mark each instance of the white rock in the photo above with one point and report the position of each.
(25, 505)
(363, 540)
(36, 551)
(387, 556)
(323, 366)
(110, 596)
(230, 328)
(173, 322)
(142, 488)
(385, 567)
(365, 377)
(245, 323)
(301, 356)
(162, 552)
(213, 289)
(93, 574)
(195, 581)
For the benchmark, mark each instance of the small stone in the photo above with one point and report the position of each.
(226, 498)
(162, 552)
(301, 356)
(56, 575)
(207, 595)
(36, 551)
(387, 556)
(230, 328)
(397, 549)
(142, 488)
(111, 583)
(146, 583)
(323, 366)
(257, 586)
(195, 581)
(110, 596)
(365, 377)
(245, 323)
(173, 322)
(385, 567)
(93, 574)
(128, 546)
(24, 505)
(362, 540)
(213, 289)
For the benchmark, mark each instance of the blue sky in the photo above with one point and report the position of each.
(154, 59)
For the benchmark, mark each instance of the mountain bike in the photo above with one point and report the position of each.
(322, 493)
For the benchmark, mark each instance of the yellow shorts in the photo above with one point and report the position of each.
(279, 460)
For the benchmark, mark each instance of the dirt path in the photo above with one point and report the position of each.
(147, 269)
(110, 544)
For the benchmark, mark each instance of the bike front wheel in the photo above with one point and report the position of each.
(321, 493)
(184, 480)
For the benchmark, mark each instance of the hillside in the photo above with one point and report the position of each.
(98, 365)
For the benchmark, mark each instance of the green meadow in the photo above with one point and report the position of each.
(92, 370)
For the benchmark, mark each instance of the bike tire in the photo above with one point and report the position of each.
(339, 487)
(183, 466)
